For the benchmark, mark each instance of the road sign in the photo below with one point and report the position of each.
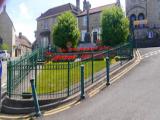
(140, 22)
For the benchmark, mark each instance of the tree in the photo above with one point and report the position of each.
(115, 26)
(66, 33)
(4, 46)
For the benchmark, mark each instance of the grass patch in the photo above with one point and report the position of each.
(53, 77)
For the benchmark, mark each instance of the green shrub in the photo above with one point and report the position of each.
(66, 33)
(115, 26)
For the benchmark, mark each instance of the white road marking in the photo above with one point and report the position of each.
(146, 56)
(4, 84)
(149, 54)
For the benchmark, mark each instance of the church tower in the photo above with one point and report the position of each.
(118, 3)
(143, 9)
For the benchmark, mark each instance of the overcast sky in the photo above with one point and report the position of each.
(24, 12)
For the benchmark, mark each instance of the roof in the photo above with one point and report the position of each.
(23, 41)
(97, 9)
(4, 12)
(59, 9)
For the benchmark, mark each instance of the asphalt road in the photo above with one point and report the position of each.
(136, 96)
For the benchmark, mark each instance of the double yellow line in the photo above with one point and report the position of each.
(119, 75)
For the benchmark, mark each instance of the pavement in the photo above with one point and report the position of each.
(135, 96)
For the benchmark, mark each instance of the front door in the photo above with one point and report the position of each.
(94, 37)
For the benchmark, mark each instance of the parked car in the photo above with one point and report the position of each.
(4, 55)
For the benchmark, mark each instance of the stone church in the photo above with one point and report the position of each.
(146, 13)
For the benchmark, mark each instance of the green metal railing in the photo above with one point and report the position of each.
(59, 79)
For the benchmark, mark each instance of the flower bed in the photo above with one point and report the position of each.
(99, 48)
(48, 55)
(86, 56)
(63, 58)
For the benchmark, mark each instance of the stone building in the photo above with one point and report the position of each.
(7, 32)
(23, 45)
(46, 21)
(94, 21)
(147, 15)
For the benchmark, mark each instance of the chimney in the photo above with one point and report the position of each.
(20, 35)
(84, 5)
(4, 8)
(78, 4)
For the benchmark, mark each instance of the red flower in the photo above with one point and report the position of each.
(59, 58)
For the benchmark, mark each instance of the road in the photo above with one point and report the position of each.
(135, 96)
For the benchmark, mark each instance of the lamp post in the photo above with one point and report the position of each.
(87, 35)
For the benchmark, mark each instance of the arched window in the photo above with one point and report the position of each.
(132, 19)
(1, 41)
(141, 17)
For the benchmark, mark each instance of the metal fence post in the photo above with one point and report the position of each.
(9, 78)
(92, 68)
(82, 82)
(36, 103)
(35, 61)
(68, 82)
(0, 82)
(107, 70)
(131, 49)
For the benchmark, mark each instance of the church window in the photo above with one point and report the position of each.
(141, 17)
(132, 19)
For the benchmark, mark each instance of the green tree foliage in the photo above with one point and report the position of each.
(66, 31)
(115, 26)
(4, 46)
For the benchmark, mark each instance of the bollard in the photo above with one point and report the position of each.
(107, 70)
(92, 68)
(82, 82)
(121, 61)
(36, 103)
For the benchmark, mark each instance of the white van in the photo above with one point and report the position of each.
(4, 55)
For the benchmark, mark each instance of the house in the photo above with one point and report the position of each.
(23, 45)
(144, 17)
(7, 32)
(46, 21)
(94, 21)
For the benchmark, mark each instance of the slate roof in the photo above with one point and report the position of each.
(96, 10)
(57, 10)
